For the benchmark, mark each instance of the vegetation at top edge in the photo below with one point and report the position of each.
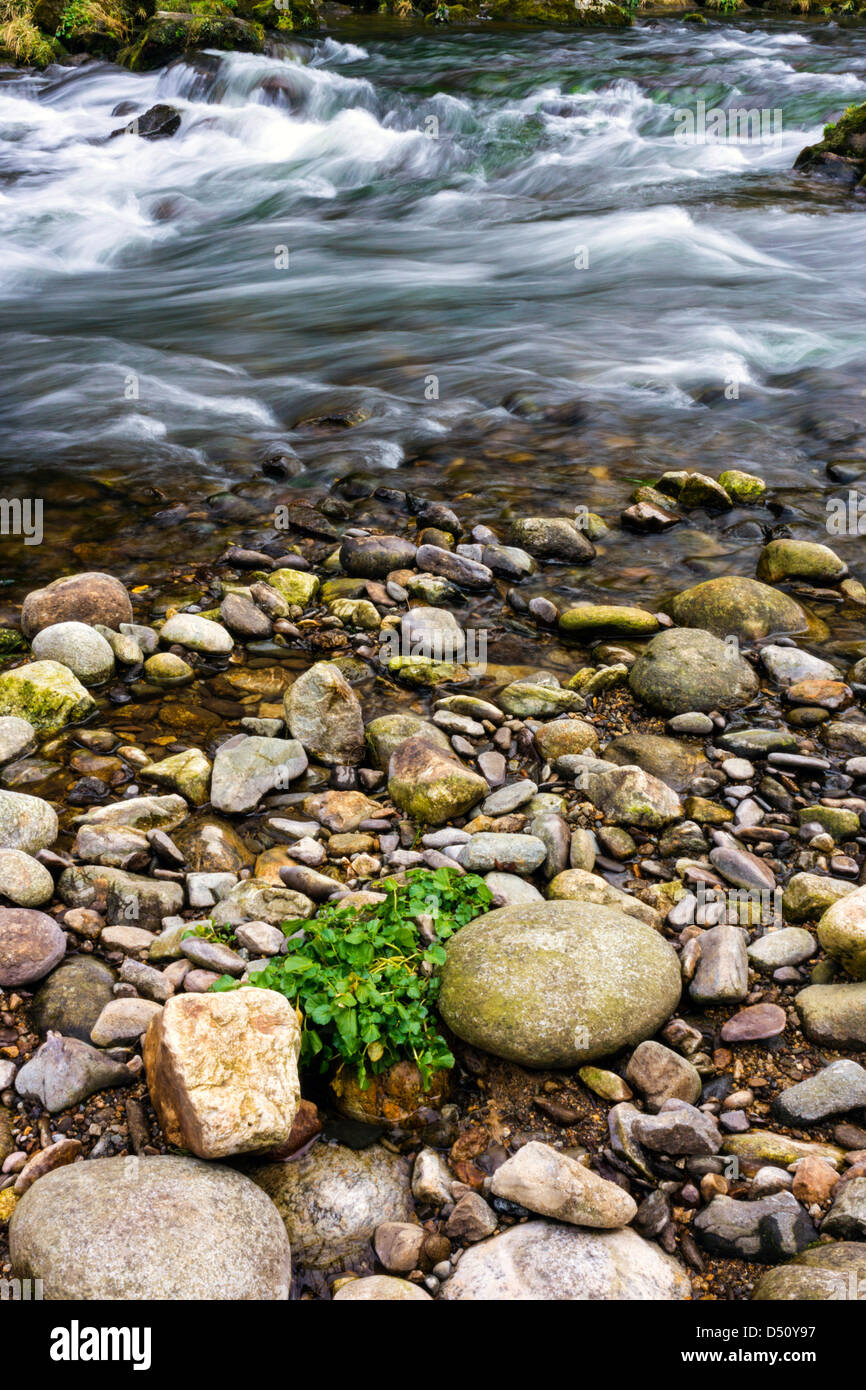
(364, 978)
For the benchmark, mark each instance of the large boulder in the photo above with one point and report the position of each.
(222, 1070)
(738, 607)
(842, 932)
(333, 1199)
(686, 669)
(165, 1228)
(557, 984)
(31, 944)
(834, 1015)
(85, 598)
(540, 1261)
(324, 714)
(46, 694)
(432, 785)
(841, 155)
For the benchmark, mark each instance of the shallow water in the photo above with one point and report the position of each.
(432, 193)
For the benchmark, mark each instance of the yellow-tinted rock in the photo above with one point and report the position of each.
(222, 1071)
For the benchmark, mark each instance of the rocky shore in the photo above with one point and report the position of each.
(38, 32)
(621, 913)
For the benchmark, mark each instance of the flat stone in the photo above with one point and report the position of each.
(834, 1090)
(550, 1183)
(678, 1128)
(788, 946)
(197, 633)
(543, 1261)
(123, 1021)
(245, 771)
(492, 850)
(755, 1023)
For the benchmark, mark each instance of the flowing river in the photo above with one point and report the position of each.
(481, 264)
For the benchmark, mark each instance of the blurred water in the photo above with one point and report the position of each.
(505, 212)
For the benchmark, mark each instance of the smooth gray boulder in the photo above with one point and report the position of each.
(557, 984)
(166, 1228)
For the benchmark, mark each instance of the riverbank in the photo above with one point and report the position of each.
(38, 32)
(312, 380)
(692, 792)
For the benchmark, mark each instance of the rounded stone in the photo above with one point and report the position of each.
(374, 557)
(381, 1287)
(23, 880)
(541, 1261)
(167, 669)
(733, 606)
(164, 1228)
(91, 597)
(72, 998)
(332, 1200)
(81, 648)
(562, 736)
(31, 944)
(685, 669)
(198, 634)
(842, 932)
(557, 984)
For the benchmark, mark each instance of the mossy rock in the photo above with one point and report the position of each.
(606, 617)
(170, 34)
(557, 984)
(738, 607)
(46, 694)
(841, 154)
(741, 487)
(815, 1275)
(558, 13)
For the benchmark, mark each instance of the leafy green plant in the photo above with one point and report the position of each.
(364, 978)
(208, 931)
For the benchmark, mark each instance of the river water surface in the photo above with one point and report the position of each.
(479, 264)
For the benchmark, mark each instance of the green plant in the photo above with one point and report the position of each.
(365, 981)
(208, 931)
